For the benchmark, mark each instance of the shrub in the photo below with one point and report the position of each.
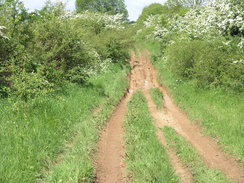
(117, 51)
(210, 63)
(182, 57)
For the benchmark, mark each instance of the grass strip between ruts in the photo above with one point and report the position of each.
(157, 97)
(146, 158)
(188, 155)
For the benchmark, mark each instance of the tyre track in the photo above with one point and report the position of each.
(206, 146)
(110, 163)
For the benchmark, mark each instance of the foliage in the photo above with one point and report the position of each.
(153, 9)
(52, 46)
(35, 134)
(99, 22)
(188, 3)
(217, 18)
(1, 32)
(112, 7)
(205, 45)
(116, 51)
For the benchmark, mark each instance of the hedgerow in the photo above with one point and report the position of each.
(43, 50)
(204, 44)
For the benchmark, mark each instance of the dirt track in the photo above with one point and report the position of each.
(111, 166)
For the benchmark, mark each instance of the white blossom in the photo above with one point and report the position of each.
(104, 20)
(1, 32)
(241, 44)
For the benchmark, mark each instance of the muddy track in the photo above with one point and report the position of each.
(183, 172)
(206, 146)
(110, 164)
(144, 79)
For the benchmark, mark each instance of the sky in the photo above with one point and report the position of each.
(134, 6)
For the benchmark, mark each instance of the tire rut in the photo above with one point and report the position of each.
(180, 169)
(110, 164)
(173, 116)
(143, 79)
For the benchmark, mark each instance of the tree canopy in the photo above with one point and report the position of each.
(187, 3)
(153, 9)
(105, 6)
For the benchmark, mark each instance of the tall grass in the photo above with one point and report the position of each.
(221, 112)
(75, 164)
(32, 134)
(147, 160)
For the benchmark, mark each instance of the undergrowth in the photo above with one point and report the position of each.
(33, 133)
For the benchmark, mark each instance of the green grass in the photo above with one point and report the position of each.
(147, 160)
(220, 112)
(33, 134)
(188, 155)
(157, 97)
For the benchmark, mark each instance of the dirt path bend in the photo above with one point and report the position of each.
(172, 116)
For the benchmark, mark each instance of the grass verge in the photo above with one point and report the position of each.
(32, 135)
(147, 160)
(157, 97)
(188, 155)
(220, 112)
(76, 165)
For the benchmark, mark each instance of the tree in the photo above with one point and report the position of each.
(12, 14)
(186, 3)
(153, 9)
(105, 6)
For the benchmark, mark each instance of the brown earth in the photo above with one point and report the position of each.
(144, 78)
(183, 172)
(206, 146)
(110, 164)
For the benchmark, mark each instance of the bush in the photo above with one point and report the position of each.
(182, 57)
(48, 48)
(58, 42)
(210, 63)
(117, 51)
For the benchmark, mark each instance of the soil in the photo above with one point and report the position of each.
(110, 164)
(181, 170)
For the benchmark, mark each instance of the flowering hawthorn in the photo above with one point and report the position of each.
(217, 18)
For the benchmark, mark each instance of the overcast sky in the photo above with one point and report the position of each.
(134, 6)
